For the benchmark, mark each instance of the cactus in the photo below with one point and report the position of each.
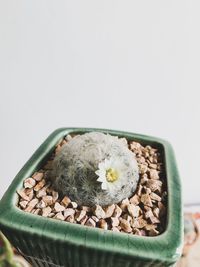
(95, 168)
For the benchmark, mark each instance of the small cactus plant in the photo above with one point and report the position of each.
(95, 168)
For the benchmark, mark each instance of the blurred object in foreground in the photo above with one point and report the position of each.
(191, 255)
(7, 256)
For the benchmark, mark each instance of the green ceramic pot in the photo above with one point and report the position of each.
(46, 242)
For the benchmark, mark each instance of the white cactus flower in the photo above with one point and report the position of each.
(111, 174)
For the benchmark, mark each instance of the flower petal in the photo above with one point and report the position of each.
(104, 186)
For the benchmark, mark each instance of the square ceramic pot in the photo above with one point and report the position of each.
(47, 242)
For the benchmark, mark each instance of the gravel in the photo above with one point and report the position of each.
(143, 214)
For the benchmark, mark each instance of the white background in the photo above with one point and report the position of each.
(128, 65)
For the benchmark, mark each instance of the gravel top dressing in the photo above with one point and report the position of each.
(141, 213)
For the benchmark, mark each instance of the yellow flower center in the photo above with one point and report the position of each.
(111, 175)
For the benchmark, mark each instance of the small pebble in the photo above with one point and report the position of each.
(58, 207)
(41, 205)
(153, 232)
(26, 194)
(55, 196)
(31, 205)
(156, 212)
(23, 204)
(133, 210)
(69, 212)
(59, 216)
(154, 184)
(29, 183)
(80, 215)
(48, 200)
(154, 196)
(83, 221)
(95, 218)
(99, 212)
(117, 212)
(46, 211)
(41, 193)
(90, 222)
(154, 220)
(134, 200)
(38, 176)
(125, 202)
(39, 185)
(103, 224)
(114, 221)
(125, 226)
(109, 211)
(146, 200)
(73, 205)
(143, 168)
(65, 201)
(70, 219)
(86, 208)
(154, 174)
